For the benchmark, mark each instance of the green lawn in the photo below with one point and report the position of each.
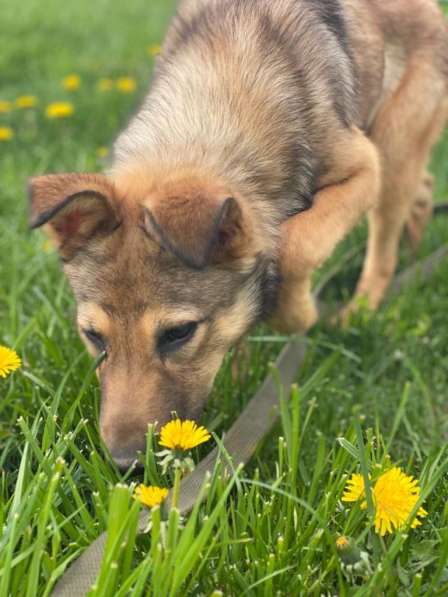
(382, 384)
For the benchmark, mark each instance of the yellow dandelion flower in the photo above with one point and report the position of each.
(342, 543)
(6, 133)
(351, 555)
(395, 495)
(126, 84)
(154, 49)
(5, 107)
(149, 495)
(354, 490)
(9, 361)
(102, 152)
(59, 110)
(71, 82)
(26, 101)
(105, 84)
(183, 435)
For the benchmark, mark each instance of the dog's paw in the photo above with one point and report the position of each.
(357, 307)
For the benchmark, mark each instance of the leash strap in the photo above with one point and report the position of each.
(240, 442)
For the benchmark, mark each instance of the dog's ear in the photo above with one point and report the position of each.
(73, 207)
(199, 231)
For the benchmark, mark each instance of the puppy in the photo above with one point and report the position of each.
(270, 130)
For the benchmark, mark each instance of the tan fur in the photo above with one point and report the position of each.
(313, 235)
(421, 211)
(91, 315)
(270, 130)
(405, 124)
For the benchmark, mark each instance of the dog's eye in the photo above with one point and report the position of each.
(96, 339)
(174, 338)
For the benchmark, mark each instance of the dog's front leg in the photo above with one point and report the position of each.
(309, 238)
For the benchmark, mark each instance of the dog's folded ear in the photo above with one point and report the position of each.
(200, 231)
(73, 207)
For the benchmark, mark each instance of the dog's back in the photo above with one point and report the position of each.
(252, 90)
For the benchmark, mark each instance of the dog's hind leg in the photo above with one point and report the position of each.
(421, 211)
(405, 130)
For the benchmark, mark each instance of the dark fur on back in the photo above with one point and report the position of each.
(332, 14)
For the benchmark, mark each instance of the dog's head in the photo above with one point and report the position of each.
(166, 280)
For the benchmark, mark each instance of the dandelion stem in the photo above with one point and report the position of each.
(176, 487)
(368, 490)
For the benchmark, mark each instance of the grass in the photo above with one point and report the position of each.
(370, 395)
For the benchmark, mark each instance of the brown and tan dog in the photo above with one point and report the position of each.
(271, 128)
